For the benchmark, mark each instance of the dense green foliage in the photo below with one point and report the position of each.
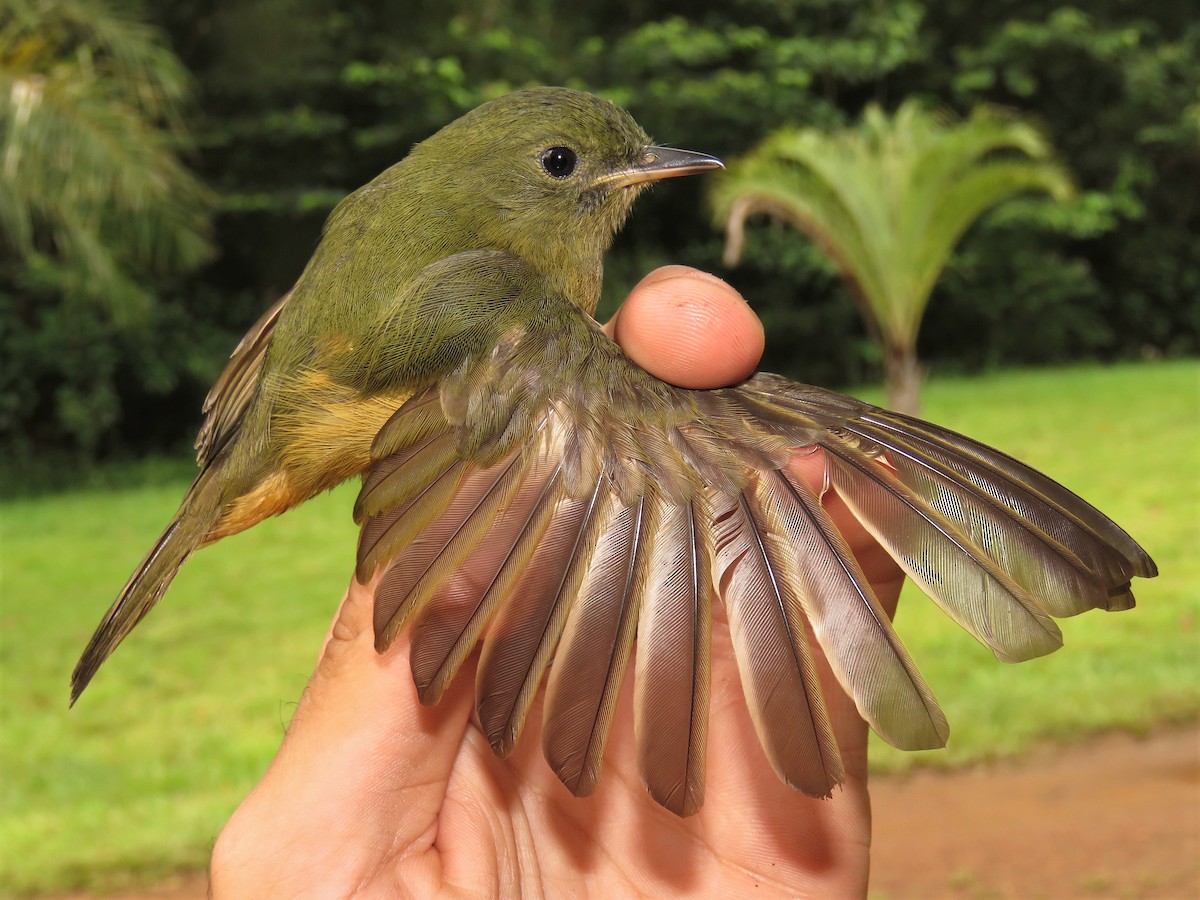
(297, 102)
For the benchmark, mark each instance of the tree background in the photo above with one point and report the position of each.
(294, 103)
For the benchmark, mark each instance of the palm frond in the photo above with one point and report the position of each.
(89, 137)
(888, 200)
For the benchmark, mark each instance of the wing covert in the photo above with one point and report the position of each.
(230, 395)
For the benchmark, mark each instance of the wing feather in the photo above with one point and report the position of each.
(529, 625)
(231, 394)
(451, 623)
(439, 548)
(862, 648)
(1055, 574)
(395, 481)
(671, 690)
(770, 644)
(960, 578)
(1073, 510)
(1059, 529)
(387, 534)
(589, 667)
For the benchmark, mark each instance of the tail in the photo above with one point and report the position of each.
(197, 513)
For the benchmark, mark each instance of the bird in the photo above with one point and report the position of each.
(528, 490)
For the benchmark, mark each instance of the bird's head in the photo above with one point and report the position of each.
(549, 175)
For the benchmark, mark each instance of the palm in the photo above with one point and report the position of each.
(98, 86)
(381, 792)
(889, 201)
(97, 209)
(509, 826)
(513, 823)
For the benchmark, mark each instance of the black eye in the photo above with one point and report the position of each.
(559, 162)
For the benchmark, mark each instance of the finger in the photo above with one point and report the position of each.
(689, 328)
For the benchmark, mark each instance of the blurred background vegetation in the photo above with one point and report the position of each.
(167, 168)
(164, 173)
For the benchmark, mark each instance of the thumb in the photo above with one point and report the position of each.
(361, 774)
(689, 328)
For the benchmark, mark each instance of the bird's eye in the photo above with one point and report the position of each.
(559, 162)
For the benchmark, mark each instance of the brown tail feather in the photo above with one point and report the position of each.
(197, 514)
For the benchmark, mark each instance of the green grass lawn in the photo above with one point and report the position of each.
(137, 780)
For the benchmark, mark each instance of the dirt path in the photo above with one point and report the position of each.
(1116, 817)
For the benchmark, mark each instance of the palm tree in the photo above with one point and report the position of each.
(97, 213)
(90, 178)
(888, 201)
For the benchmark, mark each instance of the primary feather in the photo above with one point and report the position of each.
(670, 703)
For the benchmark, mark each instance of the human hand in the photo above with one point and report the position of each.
(373, 794)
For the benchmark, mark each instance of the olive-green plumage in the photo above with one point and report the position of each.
(440, 343)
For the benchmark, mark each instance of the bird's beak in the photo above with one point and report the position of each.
(657, 163)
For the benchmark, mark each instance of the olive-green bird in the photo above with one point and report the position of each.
(527, 485)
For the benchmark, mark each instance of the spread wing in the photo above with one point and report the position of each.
(234, 388)
(556, 502)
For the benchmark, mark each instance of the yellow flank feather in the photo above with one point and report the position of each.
(324, 438)
(325, 435)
